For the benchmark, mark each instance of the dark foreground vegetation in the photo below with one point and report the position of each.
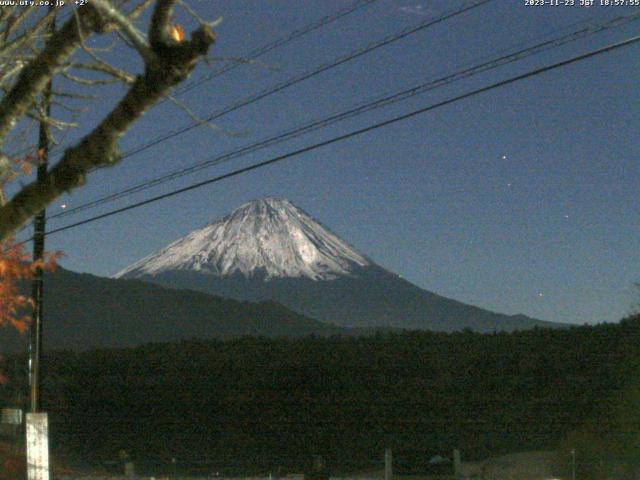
(251, 405)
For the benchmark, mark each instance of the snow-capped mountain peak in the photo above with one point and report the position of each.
(270, 236)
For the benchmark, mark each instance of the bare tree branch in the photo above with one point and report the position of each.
(126, 27)
(137, 11)
(170, 64)
(15, 21)
(160, 22)
(87, 81)
(5, 13)
(74, 95)
(57, 124)
(68, 108)
(193, 116)
(35, 76)
(107, 69)
(30, 35)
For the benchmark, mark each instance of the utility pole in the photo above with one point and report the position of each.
(37, 424)
(35, 344)
(37, 290)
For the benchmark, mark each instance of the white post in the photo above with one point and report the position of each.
(37, 446)
(457, 464)
(129, 469)
(388, 464)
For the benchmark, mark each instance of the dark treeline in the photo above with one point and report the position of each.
(254, 404)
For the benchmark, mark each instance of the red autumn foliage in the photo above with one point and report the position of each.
(21, 166)
(15, 267)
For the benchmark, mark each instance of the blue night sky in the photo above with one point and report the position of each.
(520, 200)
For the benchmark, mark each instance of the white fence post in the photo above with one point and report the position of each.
(388, 464)
(457, 463)
(37, 446)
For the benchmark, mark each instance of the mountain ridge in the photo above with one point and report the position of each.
(373, 298)
(84, 311)
(263, 251)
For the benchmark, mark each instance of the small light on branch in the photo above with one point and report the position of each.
(177, 33)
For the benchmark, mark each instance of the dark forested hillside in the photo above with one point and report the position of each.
(84, 311)
(255, 404)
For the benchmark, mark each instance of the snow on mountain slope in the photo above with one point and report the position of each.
(270, 235)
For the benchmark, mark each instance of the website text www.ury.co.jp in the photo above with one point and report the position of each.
(33, 3)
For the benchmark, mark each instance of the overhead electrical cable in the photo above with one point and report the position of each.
(355, 133)
(467, 6)
(310, 74)
(258, 52)
(357, 110)
(279, 42)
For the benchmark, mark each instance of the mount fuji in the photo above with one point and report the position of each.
(270, 237)
(269, 249)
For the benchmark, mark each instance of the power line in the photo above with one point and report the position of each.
(279, 42)
(375, 126)
(321, 69)
(307, 75)
(257, 52)
(357, 110)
